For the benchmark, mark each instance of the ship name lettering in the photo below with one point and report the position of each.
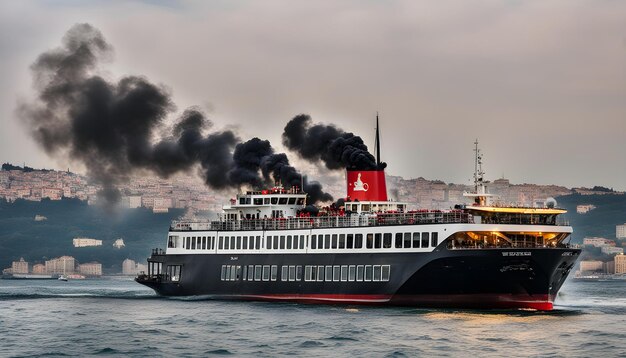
(234, 258)
(517, 253)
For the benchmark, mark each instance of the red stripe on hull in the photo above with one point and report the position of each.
(482, 301)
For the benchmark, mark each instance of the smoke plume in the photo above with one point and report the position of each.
(113, 127)
(330, 145)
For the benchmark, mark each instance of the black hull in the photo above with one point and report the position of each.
(486, 278)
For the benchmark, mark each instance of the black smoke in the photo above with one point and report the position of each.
(330, 145)
(115, 128)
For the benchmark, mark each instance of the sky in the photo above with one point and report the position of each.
(540, 84)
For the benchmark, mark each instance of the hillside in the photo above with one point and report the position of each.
(21, 236)
(610, 211)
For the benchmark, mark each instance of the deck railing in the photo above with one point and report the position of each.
(336, 221)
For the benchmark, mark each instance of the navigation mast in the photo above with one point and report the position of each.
(377, 142)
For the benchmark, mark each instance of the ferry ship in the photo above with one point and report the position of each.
(266, 245)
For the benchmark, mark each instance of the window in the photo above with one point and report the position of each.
(258, 243)
(292, 273)
(434, 239)
(188, 246)
(282, 242)
(170, 241)
(416, 239)
(292, 201)
(327, 241)
(359, 273)
(298, 273)
(344, 273)
(351, 272)
(387, 240)
(250, 272)
(275, 242)
(244, 275)
(369, 241)
(398, 240)
(193, 243)
(282, 201)
(350, 241)
(342, 241)
(376, 276)
(257, 273)
(336, 273)
(233, 273)
(244, 243)
(307, 273)
(358, 241)
(274, 200)
(173, 272)
(334, 241)
(425, 239)
(329, 273)
(238, 273)
(288, 242)
(223, 275)
(368, 273)
(378, 240)
(302, 241)
(314, 242)
(284, 273)
(274, 272)
(199, 243)
(221, 243)
(386, 272)
(320, 241)
(238, 242)
(407, 240)
(266, 273)
(320, 273)
(266, 201)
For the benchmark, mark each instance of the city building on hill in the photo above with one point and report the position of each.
(61, 265)
(134, 201)
(611, 250)
(591, 266)
(86, 242)
(609, 267)
(20, 266)
(584, 209)
(119, 243)
(598, 242)
(90, 269)
(620, 264)
(129, 267)
(40, 218)
(39, 269)
(620, 231)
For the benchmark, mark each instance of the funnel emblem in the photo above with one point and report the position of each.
(359, 185)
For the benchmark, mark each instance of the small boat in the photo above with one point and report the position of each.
(62, 278)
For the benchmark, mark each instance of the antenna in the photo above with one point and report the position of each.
(478, 167)
(377, 143)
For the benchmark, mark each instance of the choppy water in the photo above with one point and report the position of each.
(118, 317)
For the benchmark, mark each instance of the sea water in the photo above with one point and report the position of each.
(117, 317)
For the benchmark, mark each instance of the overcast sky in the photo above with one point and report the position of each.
(541, 84)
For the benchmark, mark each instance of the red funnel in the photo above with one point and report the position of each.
(367, 185)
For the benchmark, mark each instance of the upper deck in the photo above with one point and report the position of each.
(328, 221)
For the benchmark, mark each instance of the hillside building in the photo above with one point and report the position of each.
(61, 265)
(90, 269)
(20, 266)
(86, 242)
(620, 263)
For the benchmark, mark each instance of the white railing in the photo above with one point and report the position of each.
(332, 221)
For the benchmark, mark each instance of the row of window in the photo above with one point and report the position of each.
(328, 273)
(299, 242)
(375, 241)
(274, 200)
(348, 273)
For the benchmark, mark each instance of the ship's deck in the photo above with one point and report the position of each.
(330, 221)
